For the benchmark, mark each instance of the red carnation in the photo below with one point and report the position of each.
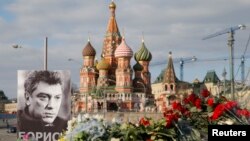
(191, 98)
(230, 104)
(176, 106)
(205, 93)
(210, 102)
(170, 118)
(186, 101)
(198, 103)
(218, 111)
(243, 112)
(144, 122)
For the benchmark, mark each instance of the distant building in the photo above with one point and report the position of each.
(168, 88)
(212, 83)
(10, 108)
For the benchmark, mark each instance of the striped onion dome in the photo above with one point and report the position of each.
(137, 67)
(143, 54)
(103, 65)
(123, 50)
(88, 50)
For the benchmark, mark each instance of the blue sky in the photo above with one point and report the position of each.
(176, 26)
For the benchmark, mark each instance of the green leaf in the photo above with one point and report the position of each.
(209, 109)
(193, 109)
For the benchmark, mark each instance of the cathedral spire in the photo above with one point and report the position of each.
(112, 25)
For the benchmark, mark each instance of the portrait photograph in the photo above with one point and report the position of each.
(43, 103)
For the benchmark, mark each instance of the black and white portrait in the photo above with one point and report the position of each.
(43, 104)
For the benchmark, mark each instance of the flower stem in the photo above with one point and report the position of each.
(234, 115)
(182, 135)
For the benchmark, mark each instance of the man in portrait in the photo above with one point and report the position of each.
(45, 95)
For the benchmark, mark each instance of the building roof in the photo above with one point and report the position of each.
(143, 54)
(103, 65)
(211, 77)
(159, 79)
(169, 75)
(88, 50)
(138, 67)
(123, 50)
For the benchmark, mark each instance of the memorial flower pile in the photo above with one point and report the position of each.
(185, 120)
(92, 129)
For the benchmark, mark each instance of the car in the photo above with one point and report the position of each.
(12, 129)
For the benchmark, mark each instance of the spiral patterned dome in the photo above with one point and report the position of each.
(123, 50)
(137, 67)
(88, 50)
(143, 54)
(102, 65)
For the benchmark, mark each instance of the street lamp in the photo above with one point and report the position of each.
(73, 60)
(16, 46)
(230, 31)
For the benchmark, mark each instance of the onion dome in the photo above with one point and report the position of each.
(88, 50)
(137, 67)
(123, 50)
(143, 54)
(102, 65)
(112, 5)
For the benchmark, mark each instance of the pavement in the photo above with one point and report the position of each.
(4, 135)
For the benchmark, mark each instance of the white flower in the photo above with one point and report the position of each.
(98, 117)
(82, 117)
(70, 124)
(115, 139)
(229, 122)
(79, 118)
(117, 120)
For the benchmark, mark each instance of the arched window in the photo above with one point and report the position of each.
(166, 87)
(172, 87)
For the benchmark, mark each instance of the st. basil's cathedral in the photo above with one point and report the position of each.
(111, 83)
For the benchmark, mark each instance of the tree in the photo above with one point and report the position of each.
(2, 95)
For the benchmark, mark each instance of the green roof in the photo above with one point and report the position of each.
(159, 79)
(211, 77)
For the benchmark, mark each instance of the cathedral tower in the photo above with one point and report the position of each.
(111, 41)
(123, 72)
(103, 67)
(143, 56)
(170, 79)
(88, 71)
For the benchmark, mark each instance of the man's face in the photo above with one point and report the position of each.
(45, 102)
